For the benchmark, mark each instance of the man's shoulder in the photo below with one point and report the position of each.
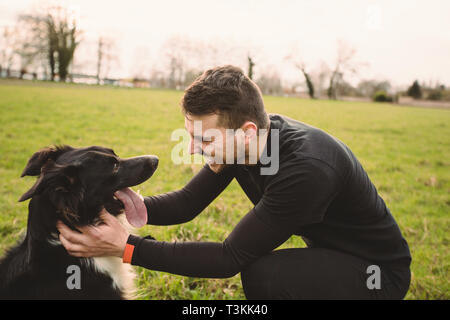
(302, 145)
(279, 121)
(296, 134)
(302, 170)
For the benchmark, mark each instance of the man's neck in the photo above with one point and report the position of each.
(261, 142)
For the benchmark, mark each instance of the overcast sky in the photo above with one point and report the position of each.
(397, 40)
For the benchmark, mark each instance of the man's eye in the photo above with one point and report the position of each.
(116, 167)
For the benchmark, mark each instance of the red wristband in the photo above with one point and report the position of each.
(128, 253)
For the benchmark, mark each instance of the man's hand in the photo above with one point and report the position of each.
(107, 239)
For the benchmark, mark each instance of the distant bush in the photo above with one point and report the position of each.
(367, 88)
(435, 94)
(382, 96)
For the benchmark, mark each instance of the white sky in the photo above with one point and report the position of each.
(399, 40)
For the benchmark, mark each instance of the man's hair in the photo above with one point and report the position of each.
(228, 92)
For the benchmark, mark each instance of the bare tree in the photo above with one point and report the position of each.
(191, 75)
(177, 51)
(8, 49)
(319, 76)
(270, 82)
(309, 83)
(67, 41)
(299, 63)
(181, 58)
(55, 33)
(43, 38)
(105, 55)
(16, 50)
(251, 65)
(345, 64)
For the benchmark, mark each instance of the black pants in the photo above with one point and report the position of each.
(319, 273)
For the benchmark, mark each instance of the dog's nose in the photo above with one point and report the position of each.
(153, 161)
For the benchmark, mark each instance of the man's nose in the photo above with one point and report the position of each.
(195, 147)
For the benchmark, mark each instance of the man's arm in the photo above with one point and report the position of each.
(250, 239)
(295, 199)
(185, 204)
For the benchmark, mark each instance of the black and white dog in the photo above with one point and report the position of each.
(73, 186)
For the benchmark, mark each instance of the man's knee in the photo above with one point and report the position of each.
(257, 280)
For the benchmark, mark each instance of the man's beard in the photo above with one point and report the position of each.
(209, 159)
(214, 159)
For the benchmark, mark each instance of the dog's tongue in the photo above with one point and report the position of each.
(135, 209)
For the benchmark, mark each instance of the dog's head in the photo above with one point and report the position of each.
(79, 182)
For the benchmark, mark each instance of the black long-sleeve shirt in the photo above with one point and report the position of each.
(320, 192)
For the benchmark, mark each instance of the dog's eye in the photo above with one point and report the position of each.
(116, 167)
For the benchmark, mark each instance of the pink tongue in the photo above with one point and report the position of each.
(135, 209)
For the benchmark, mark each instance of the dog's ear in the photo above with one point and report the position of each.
(60, 178)
(38, 159)
(66, 196)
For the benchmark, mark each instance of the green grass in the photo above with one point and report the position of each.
(406, 152)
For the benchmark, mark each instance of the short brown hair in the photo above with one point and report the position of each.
(227, 91)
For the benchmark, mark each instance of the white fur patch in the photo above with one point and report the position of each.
(121, 273)
(54, 241)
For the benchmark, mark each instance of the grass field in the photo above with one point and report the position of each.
(405, 151)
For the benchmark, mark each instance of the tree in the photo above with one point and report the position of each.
(66, 35)
(54, 31)
(345, 64)
(269, 82)
(16, 49)
(319, 76)
(42, 39)
(177, 50)
(251, 64)
(190, 76)
(414, 90)
(298, 62)
(8, 48)
(105, 49)
(309, 83)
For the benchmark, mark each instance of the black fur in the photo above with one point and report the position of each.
(73, 185)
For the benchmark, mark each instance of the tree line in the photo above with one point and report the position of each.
(46, 43)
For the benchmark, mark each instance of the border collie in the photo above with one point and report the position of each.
(73, 185)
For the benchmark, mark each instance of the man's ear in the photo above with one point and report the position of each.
(250, 129)
(57, 177)
(37, 160)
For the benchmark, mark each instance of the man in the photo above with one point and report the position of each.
(318, 190)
